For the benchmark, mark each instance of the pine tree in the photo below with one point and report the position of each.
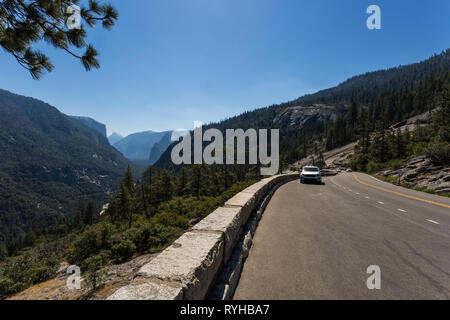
(400, 144)
(225, 177)
(321, 161)
(147, 176)
(196, 182)
(166, 185)
(351, 119)
(125, 200)
(113, 208)
(441, 118)
(90, 214)
(146, 190)
(129, 181)
(25, 23)
(80, 214)
(182, 182)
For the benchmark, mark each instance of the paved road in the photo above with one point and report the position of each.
(316, 242)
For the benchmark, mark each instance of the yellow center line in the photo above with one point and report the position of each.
(399, 194)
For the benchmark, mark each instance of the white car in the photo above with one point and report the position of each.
(310, 174)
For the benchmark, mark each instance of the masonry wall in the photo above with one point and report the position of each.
(189, 268)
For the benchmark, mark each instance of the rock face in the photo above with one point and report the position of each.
(91, 123)
(298, 116)
(420, 172)
(334, 159)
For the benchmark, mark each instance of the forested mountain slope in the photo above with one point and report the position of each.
(306, 120)
(47, 163)
(366, 89)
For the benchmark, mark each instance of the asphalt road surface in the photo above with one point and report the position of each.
(317, 241)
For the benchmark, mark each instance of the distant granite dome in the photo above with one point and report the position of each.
(138, 146)
(159, 148)
(114, 138)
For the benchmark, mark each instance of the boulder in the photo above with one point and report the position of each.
(416, 160)
(409, 175)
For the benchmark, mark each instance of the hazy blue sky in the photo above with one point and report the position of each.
(170, 62)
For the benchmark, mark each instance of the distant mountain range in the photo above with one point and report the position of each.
(48, 162)
(144, 147)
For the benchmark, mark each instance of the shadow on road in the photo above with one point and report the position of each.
(314, 183)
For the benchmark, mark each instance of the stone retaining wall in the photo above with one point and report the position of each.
(190, 266)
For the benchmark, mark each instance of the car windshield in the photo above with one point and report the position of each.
(311, 169)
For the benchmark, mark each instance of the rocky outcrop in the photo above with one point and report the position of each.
(420, 172)
(296, 117)
(334, 159)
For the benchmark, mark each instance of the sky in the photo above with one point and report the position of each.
(168, 63)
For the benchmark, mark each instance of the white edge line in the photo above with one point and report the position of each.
(432, 221)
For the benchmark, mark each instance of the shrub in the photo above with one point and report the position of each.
(139, 237)
(236, 188)
(393, 180)
(160, 236)
(172, 219)
(93, 240)
(123, 250)
(439, 153)
(373, 167)
(395, 164)
(418, 148)
(93, 274)
(18, 273)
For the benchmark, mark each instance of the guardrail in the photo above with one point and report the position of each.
(189, 268)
